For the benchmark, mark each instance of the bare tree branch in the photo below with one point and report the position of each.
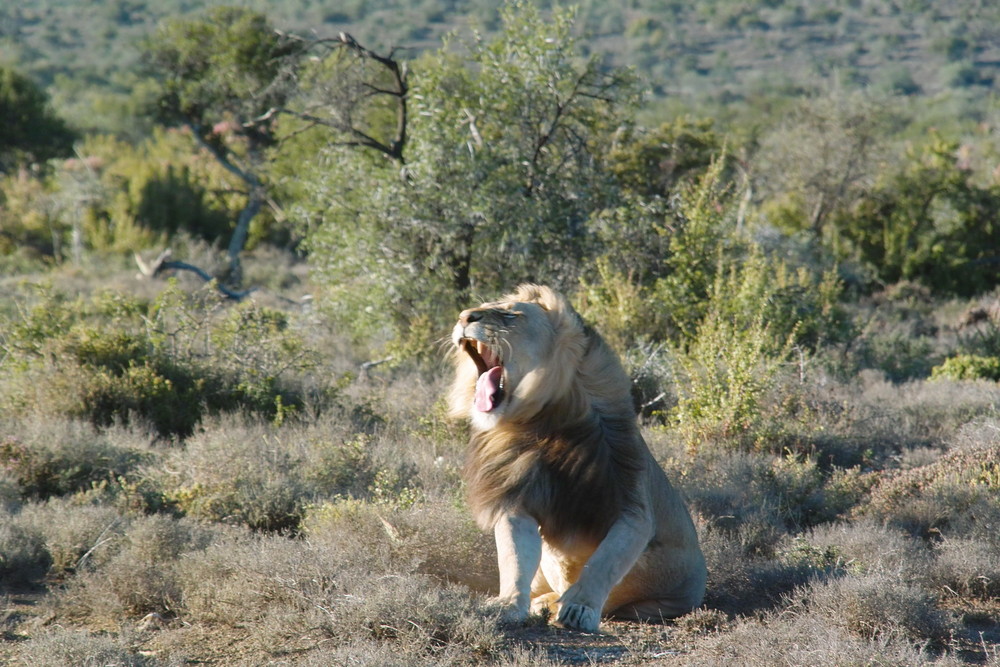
(393, 146)
(164, 263)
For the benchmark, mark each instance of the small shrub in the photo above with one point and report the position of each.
(340, 468)
(807, 638)
(724, 377)
(730, 360)
(238, 473)
(10, 491)
(956, 495)
(968, 367)
(63, 456)
(168, 363)
(743, 583)
(969, 567)
(74, 534)
(432, 537)
(866, 547)
(23, 557)
(140, 577)
(878, 606)
(70, 646)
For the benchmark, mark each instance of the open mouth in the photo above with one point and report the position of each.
(490, 385)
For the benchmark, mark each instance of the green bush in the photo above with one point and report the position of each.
(968, 367)
(929, 221)
(167, 364)
(757, 312)
(143, 194)
(57, 461)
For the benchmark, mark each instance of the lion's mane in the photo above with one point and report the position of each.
(567, 450)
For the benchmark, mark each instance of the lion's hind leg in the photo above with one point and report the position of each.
(547, 603)
(542, 595)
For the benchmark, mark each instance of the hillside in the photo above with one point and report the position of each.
(720, 52)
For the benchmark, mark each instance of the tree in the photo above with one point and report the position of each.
(504, 165)
(223, 77)
(30, 131)
(821, 161)
(928, 222)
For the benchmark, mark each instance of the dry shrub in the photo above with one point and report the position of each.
(242, 472)
(10, 491)
(958, 494)
(238, 473)
(59, 646)
(366, 653)
(863, 547)
(876, 606)
(243, 578)
(433, 537)
(969, 568)
(803, 638)
(297, 594)
(736, 490)
(932, 411)
(416, 610)
(869, 418)
(724, 487)
(141, 577)
(740, 583)
(23, 557)
(57, 456)
(75, 534)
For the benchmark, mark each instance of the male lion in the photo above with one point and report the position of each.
(585, 520)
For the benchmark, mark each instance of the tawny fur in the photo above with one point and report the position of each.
(563, 451)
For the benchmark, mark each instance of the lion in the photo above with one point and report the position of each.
(586, 523)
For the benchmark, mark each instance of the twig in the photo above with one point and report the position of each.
(100, 542)
(656, 399)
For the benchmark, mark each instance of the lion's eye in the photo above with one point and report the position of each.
(507, 315)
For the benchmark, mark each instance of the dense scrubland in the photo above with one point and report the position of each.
(238, 453)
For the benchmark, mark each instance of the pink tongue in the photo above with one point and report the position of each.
(487, 387)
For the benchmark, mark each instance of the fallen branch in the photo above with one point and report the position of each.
(164, 263)
(368, 365)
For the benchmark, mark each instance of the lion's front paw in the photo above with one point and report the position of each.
(579, 617)
(509, 611)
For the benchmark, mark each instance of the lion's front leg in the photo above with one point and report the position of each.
(581, 605)
(519, 551)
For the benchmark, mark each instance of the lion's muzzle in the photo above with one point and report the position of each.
(490, 384)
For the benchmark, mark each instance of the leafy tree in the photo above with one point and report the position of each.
(30, 132)
(653, 162)
(224, 77)
(820, 161)
(503, 168)
(929, 222)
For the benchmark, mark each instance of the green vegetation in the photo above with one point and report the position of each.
(31, 132)
(240, 454)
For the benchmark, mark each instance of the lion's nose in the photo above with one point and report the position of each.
(469, 316)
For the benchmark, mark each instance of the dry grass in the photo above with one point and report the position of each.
(863, 533)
